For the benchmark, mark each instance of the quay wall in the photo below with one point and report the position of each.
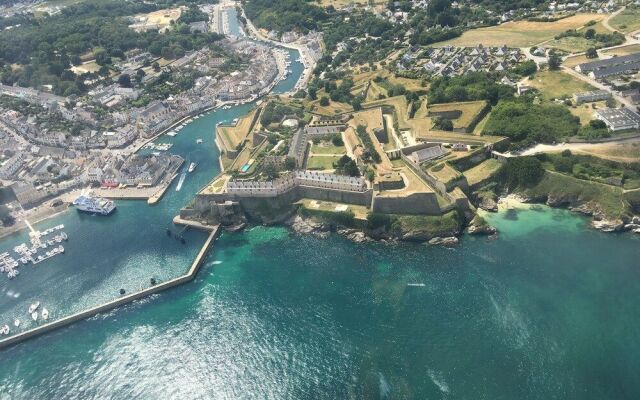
(48, 327)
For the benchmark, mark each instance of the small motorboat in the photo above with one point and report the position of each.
(198, 141)
(34, 315)
(5, 330)
(45, 314)
(33, 307)
(16, 323)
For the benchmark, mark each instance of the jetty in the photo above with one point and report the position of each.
(214, 232)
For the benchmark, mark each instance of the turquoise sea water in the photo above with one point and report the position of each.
(548, 311)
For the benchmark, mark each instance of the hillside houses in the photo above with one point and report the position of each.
(452, 61)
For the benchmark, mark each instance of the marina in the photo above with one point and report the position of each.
(94, 270)
(41, 247)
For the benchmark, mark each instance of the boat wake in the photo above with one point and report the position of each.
(385, 387)
(438, 380)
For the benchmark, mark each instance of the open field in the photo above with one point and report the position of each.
(557, 84)
(469, 110)
(576, 60)
(482, 171)
(89, 66)
(234, 135)
(327, 148)
(444, 172)
(159, 20)
(521, 33)
(332, 109)
(623, 51)
(573, 44)
(371, 118)
(323, 162)
(585, 111)
(623, 152)
(627, 21)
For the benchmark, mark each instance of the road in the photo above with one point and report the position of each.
(575, 147)
(599, 85)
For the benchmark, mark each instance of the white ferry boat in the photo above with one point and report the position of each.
(95, 205)
(192, 166)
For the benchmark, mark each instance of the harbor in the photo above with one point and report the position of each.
(129, 247)
(59, 323)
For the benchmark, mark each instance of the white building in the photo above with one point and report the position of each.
(619, 119)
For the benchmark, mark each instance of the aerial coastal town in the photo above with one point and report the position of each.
(346, 198)
(54, 145)
(409, 129)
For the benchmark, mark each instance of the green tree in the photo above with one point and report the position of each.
(591, 53)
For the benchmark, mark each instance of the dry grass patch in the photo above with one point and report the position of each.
(482, 171)
(627, 21)
(557, 84)
(623, 51)
(371, 118)
(521, 33)
(234, 135)
(469, 110)
(585, 111)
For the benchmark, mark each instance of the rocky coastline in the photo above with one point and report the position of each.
(599, 220)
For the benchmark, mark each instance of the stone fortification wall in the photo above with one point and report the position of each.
(416, 203)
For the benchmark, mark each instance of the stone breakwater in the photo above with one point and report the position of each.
(82, 315)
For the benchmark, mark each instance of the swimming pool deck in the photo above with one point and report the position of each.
(50, 326)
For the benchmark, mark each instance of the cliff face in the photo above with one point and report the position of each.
(440, 230)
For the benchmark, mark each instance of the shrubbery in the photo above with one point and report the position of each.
(526, 123)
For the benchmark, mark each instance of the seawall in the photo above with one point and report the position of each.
(50, 326)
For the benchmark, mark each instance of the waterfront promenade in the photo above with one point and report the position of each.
(214, 231)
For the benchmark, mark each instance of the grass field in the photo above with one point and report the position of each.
(521, 33)
(371, 118)
(608, 198)
(234, 135)
(557, 84)
(585, 111)
(627, 21)
(477, 131)
(482, 171)
(469, 109)
(572, 44)
(625, 152)
(575, 60)
(623, 51)
(444, 173)
(321, 162)
(327, 148)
